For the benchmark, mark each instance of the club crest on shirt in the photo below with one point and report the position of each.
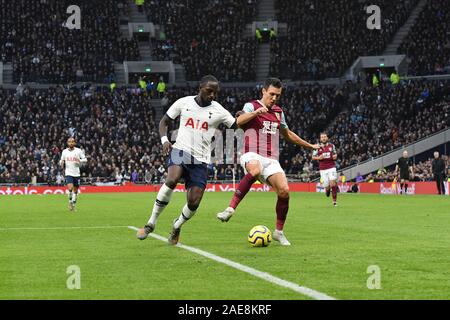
(278, 115)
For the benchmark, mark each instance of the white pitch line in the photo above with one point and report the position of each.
(259, 274)
(64, 228)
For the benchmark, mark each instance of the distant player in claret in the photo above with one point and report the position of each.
(326, 155)
(263, 120)
(200, 116)
(404, 167)
(72, 159)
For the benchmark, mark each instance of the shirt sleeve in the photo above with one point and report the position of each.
(82, 156)
(175, 110)
(248, 107)
(315, 153)
(228, 119)
(283, 124)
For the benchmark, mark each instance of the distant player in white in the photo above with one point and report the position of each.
(200, 116)
(72, 159)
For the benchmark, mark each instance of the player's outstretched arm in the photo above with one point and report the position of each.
(317, 158)
(83, 159)
(163, 125)
(295, 139)
(62, 161)
(249, 116)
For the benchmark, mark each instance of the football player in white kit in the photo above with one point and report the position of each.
(72, 159)
(200, 116)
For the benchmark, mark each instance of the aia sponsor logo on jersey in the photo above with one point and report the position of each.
(72, 159)
(197, 124)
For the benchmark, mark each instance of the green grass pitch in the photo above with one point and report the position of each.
(407, 237)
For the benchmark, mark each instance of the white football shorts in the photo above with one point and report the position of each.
(269, 167)
(328, 175)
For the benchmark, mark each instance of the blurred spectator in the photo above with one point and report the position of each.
(325, 37)
(428, 42)
(206, 37)
(33, 38)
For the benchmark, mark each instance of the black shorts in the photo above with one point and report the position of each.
(195, 173)
(404, 176)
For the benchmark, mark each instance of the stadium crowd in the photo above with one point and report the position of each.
(117, 132)
(117, 129)
(428, 42)
(325, 37)
(387, 117)
(34, 38)
(206, 36)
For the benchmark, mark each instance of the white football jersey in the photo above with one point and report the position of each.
(198, 126)
(72, 160)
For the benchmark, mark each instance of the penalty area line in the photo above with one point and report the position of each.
(256, 273)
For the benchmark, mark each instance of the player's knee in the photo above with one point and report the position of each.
(193, 204)
(171, 183)
(283, 192)
(254, 171)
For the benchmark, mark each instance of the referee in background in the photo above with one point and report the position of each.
(404, 165)
(438, 167)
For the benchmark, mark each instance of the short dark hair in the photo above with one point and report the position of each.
(208, 78)
(324, 132)
(274, 82)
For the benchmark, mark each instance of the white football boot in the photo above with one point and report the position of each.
(225, 215)
(281, 238)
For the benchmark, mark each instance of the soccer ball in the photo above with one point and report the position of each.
(260, 236)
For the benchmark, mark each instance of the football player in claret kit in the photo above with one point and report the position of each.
(200, 116)
(326, 155)
(72, 159)
(263, 121)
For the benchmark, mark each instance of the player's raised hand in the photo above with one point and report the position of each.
(261, 110)
(167, 147)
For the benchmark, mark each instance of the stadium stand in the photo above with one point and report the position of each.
(119, 133)
(428, 43)
(206, 37)
(388, 117)
(325, 37)
(41, 50)
(118, 129)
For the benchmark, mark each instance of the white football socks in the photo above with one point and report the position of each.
(162, 200)
(186, 214)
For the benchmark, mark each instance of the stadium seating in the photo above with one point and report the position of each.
(428, 42)
(325, 37)
(206, 37)
(33, 38)
(118, 130)
(387, 117)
